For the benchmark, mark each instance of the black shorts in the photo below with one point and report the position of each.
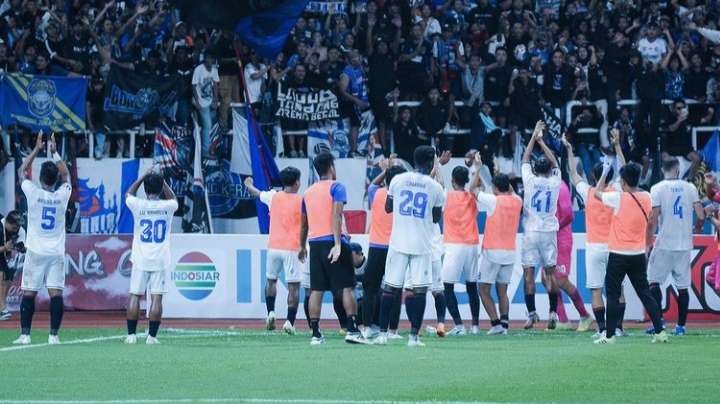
(7, 273)
(328, 276)
(375, 269)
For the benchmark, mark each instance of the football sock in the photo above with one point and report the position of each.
(530, 303)
(395, 311)
(600, 318)
(553, 301)
(578, 303)
(440, 307)
(153, 329)
(270, 303)
(656, 294)
(562, 315)
(56, 313)
(505, 321)
(352, 323)
(132, 326)
(292, 314)
(621, 315)
(340, 311)
(410, 309)
(386, 308)
(419, 303)
(27, 310)
(306, 307)
(452, 303)
(315, 326)
(683, 303)
(474, 299)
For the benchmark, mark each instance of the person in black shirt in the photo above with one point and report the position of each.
(406, 134)
(332, 67)
(497, 79)
(229, 72)
(381, 82)
(587, 143)
(432, 116)
(696, 79)
(296, 144)
(12, 243)
(484, 13)
(414, 62)
(558, 79)
(677, 135)
(524, 100)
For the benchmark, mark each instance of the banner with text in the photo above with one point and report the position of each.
(309, 105)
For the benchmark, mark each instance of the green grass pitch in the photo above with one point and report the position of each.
(255, 366)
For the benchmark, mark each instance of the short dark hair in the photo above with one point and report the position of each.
(630, 173)
(14, 217)
(49, 173)
(153, 184)
(461, 175)
(424, 157)
(323, 162)
(597, 172)
(670, 163)
(392, 172)
(501, 182)
(289, 176)
(542, 165)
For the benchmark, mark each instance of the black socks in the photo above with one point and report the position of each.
(27, 310)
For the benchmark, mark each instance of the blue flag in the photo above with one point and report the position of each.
(266, 30)
(711, 151)
(53, 104)
(264, 170)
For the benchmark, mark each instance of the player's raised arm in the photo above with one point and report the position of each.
(63, 172)
(615, 139)
(546, 150)
(132, 191)
(476, 183)
(167, 192)
(39, 144)
(572, 166)
(602, 182)
(385, 164)
(531, 144)
(250, 186)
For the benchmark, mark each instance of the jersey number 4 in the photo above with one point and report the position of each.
(152, 232)
(413, 204)
(537, 201)
(677, 208)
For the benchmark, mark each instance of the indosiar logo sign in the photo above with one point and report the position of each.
(195, 276)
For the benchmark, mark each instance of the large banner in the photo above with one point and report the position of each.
(330, 6)
(131, 97)
(309, 106)
(50, 103)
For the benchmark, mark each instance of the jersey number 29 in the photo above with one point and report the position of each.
(152, 232)
(413, 204)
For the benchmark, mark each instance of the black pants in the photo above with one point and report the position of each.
(372, 280)
(635, 267)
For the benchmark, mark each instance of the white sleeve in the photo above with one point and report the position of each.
(65, 191)
(440, 200)
(694, 197)
(583, 189)
(133, 203)
(196, 77)
(267, 196)
(655, 196)
(611, 199)
(526, 170)
(486, 202)
(27, 187)
(711, 34)
(171, 205)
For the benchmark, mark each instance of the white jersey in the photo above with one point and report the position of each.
(675, 198)
(540, 200)
(414, 197)
(46, 218)
(151, 232)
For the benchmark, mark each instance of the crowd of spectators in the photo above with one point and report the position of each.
(477, 72)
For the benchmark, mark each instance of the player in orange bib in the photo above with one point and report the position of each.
(283, 243)
(628, 243)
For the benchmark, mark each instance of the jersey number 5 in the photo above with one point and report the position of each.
(48, 218)
(413, 204)
(537, 201)
(152, 232)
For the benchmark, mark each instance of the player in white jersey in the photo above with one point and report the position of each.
(415, 200)
(673, 202)
(45, 259)
(541, 184)
(150, 257)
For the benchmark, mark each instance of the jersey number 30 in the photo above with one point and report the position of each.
(413, 204)
(152, 232)
(537, 201)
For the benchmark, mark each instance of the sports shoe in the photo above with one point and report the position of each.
(600, 334)
(584, 324)
(475, 330)
(552, 321)
(151, 340)
(497, 330)
(620, 332)
(381, 339)
(566, 326)
(131, 339)
(660, 338)
(356, 338)
(371, 332)
(23, 339)
(458, 330)
(53, 340)
(604, 340)
(317, 340)
(532, 319)
(430, 330)
(5, 315)
(288, 328)
(414, 341)
(679, 330)
(270, 321)
(651, 330)
(440, 330)
(394, 335)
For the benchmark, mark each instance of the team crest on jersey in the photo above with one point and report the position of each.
(41, 97)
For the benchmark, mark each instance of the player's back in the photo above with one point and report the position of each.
(46, 218)
(540, 202)
(675, 198)
(151, 242)
(414, 197)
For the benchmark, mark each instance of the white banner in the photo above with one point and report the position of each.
(223, 276)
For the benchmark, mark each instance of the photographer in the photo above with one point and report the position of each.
(11, 249)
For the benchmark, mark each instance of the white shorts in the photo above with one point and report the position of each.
(437, 284)
(283, 261)
(460, 263)
(491, 272)
(152, 281)
(665, 262)
(596, 259)
(539, 249)
(43, 271)
(409, 271)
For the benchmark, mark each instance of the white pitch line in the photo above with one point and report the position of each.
(236, 400)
